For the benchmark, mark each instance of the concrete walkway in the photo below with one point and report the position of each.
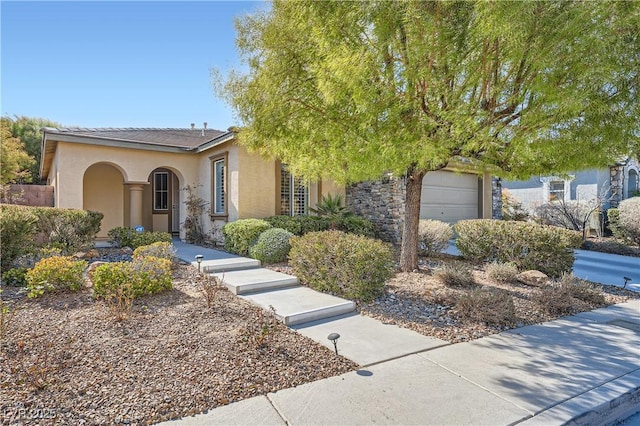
(583, 369)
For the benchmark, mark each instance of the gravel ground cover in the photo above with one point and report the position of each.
(66, 361)
(420, 302)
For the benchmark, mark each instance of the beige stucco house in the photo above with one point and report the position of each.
(137, 177)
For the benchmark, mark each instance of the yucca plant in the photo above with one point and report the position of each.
(332, 207)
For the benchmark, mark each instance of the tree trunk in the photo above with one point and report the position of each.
(409, 246)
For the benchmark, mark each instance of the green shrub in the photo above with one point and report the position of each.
(433, 236)
(355, 225)
(272, 246)
(161, 250)
(348, 265)
(528, 245)
(70, 230)
(144, 275)
(129, 237)
(628, 221)
(16, 277)
(55, 273)
(299, 225)
(502, 272)
(17, 233)
(492, 307)
(613, 216)
(455, 276)
(241, 234)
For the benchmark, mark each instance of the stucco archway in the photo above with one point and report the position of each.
(163, 200)
(103, 191)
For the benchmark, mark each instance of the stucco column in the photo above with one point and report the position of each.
(135, 204)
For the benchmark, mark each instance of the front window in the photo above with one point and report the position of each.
(161, 191)
(556, 190)
(294, 194)
(219, 186)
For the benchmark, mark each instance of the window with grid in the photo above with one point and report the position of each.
(219, 186)
(294, 194)
(556, 190)
(161, 191)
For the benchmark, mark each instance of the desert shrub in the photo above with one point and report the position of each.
(129, 237)
(241, 234)
(69, 230)
(15, 277)
(17, 233)
(502, 272)
(161, 250)
(348, 265)
(528, 245)
(299, 225)
(144, 275)
(555, 299)
(433, 236)
(332, 207)
(613, 217)
(272, 246)
(493, 307)
(628, 221)
(512, 209)
(455, 276)
(355, 225)
(569, 214)
(582, 290)
(55, 273)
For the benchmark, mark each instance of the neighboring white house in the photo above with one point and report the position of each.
(612, 185)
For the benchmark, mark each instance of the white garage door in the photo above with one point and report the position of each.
(449, 196)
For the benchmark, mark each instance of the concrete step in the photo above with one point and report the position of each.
(227, 264)
(254, 280)
(298, 305)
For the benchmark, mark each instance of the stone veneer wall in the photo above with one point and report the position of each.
(496, 197)
(616, 176)
(382, 202)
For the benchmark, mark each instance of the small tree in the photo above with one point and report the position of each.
(196, 207)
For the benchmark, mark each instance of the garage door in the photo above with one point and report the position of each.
(449, 196)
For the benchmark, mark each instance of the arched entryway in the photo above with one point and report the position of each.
(162, 200)
(103, 191)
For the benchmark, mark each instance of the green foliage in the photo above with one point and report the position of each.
(355, 225)
(15, 162)
(502, 272)
(489, 306)
(348, 265)
(433, 236)
(241, 234)
(455, 276)
(15, 277)
(17, 233)
(613, 216)
(627, 222)
(332, 207)
(57, 273)
(29, 131)
(142, 276)
(272, 246)
(527, 245)
(407, 87)
(129, 237)
(161, 250)
(299, 225)
(69, 230)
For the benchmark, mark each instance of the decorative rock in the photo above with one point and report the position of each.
(533, 278)
(91, 269)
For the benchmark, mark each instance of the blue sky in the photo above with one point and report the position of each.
(118, 64)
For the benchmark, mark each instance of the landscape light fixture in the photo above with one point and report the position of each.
(199, 260)
(334, 338)
(626, 281)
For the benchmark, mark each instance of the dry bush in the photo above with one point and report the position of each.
(208, 286)
(455, 276)
(555, 299)
(502, 272)
(441, 296)
(582, 290)
(433, 236)
(261, 331)
(493, 307)
(7, 312)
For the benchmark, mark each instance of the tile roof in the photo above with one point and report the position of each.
(179, 138)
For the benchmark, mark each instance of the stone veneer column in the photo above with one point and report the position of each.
(382, 202)
(135, 204)
(616, 177)
(496, 191)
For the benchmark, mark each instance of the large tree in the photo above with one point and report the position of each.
(350, 90)
(15, 162)
(29, 131)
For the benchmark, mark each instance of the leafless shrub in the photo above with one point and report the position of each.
(455, 276)
(208, 286)
(260, 332)
(493, 307)
(582, 290)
